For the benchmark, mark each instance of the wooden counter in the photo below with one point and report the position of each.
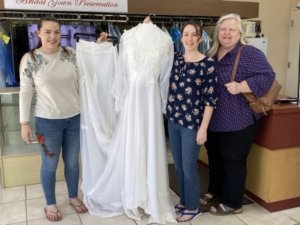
(281, 128)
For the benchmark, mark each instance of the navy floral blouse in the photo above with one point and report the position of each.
(192, 86)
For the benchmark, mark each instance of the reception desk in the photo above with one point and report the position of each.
(273, 179)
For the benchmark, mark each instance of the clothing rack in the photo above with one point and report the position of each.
(112, 38)
(96, 17)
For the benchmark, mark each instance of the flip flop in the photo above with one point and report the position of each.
(192, 214)
(49, 212)
(179, 208)
(79, 208)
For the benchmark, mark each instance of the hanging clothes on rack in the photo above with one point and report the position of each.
(205, 43)
(133, 170)
(7, 77)
(65, 35)
(175, 33)
(32, 36)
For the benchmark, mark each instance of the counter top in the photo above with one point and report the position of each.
(280, 128)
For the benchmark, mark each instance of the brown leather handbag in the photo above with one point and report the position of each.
(263, 103)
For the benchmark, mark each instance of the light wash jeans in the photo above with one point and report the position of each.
(185, 152)
(59, 135)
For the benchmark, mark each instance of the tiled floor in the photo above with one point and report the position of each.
(24, 206)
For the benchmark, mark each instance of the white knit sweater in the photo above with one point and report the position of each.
(55, 80)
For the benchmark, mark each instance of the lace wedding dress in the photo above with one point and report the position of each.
(132, 175)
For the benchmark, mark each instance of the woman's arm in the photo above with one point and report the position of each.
(202, 131)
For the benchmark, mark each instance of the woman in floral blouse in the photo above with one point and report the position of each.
(192, 98)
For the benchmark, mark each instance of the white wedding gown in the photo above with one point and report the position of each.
(133, 172)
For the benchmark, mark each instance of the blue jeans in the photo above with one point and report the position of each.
(185, 152)
(59, 134)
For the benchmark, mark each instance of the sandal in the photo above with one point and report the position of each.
(179, 208)
(80, 207)
(222, 210)
(192, 215)
(207, 199)
(52, 215)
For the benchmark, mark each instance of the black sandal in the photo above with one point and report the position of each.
(223, 210)
(207, 199)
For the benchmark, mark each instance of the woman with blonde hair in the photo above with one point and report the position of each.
(233, 126)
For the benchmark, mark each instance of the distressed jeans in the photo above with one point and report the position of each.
(55, 136)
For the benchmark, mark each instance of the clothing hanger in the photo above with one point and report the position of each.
(112, 38)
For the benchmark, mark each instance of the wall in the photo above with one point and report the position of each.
(275, 17)
(214, 8)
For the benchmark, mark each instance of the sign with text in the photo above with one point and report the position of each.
(113, 6)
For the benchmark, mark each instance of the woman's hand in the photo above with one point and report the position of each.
(26, 133)
(102, 37)
(233, 87)
(201, 136)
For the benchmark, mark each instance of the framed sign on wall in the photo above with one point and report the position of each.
(111, 6)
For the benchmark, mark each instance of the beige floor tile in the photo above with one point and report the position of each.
(267, 219)
(13, 212)
(34, 191)
(253, 210)
(145, 220)
(256, 215)
(88, 219)
(12, 194)
(35, 208)
(209, 219)
(293, 213)
(70, 219)
(22, 223)
(61, 187)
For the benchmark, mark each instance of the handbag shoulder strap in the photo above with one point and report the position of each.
(236, 63)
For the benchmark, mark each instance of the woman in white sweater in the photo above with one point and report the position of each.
(50, 71)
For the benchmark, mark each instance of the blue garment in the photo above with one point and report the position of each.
(2, 64)
(7, 76)
(192, 87)
(176, 36)
(185, 152)
(233, 112)
(60, 135)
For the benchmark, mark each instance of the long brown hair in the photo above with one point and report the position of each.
(40, 24)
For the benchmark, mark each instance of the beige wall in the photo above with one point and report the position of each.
(275, 17)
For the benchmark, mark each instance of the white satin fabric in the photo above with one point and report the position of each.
(124, 163)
